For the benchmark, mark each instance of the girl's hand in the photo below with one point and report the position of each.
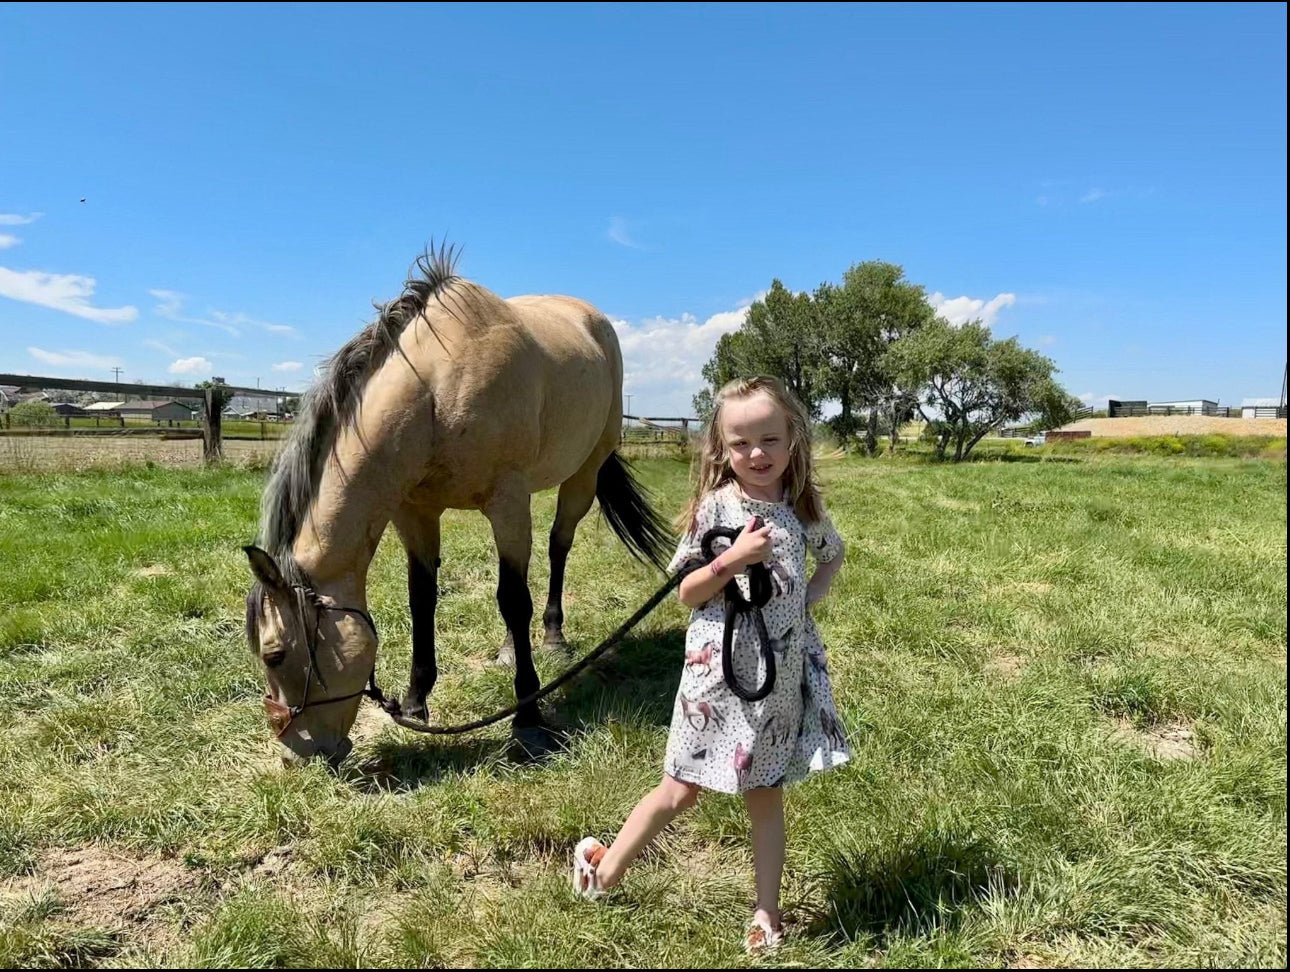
(753, 545)
(816, 588)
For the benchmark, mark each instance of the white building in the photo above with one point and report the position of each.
(1259, 407)
(1191, 406)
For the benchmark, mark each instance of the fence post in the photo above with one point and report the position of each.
(212, 441)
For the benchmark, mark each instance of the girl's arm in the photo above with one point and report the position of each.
(822, 579)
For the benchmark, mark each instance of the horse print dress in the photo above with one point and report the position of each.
(717, 740)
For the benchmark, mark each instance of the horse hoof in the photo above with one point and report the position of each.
(414, 706)
(504, 659)
(532, 743)
(556, 643)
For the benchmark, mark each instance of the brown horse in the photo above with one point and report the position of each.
(453, 398)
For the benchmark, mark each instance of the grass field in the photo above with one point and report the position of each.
(1065, 685)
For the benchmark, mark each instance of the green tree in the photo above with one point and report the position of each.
(781, 337)
(34, 414)
(971, 384)
(862, 320)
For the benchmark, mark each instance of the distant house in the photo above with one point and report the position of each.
(155, 411)
(1190, 406)
(1261, 408)
(103, 408)
(68, 408)
(8, 397)
(252, 406)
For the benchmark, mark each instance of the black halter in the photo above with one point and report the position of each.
(759, 586)
(281, 716)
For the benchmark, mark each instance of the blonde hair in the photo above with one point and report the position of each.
(712, 465)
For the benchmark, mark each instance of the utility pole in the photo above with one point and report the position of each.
(116, 371)
(629, 405)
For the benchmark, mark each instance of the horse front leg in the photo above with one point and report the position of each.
(420, 535)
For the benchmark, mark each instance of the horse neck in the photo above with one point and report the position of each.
(338, 539)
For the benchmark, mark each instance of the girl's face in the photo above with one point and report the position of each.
(755, 433)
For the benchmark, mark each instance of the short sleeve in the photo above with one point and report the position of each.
(823, 539)
(690, 550)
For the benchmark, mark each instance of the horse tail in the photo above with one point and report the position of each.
(626, 506)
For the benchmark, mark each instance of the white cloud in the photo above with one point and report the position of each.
(288, 366)
(14, 219)
(86, 360)
(960, 310)
(1098, 401)
(191, 366)
(165, 349)
(619, 233)
(171, 304)
(7, 240)
(171, 307)
(65, 292)
(663, 358)
(1093, 195)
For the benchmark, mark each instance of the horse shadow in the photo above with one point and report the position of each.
(634, 681)
(397, 763)
(930, 882)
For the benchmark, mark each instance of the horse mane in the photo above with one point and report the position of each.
(331, 405)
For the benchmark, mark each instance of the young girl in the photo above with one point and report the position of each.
(754, 472)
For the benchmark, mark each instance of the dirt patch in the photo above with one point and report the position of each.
(1174, 741)
(953, 503)
(1032, 587)
(103, 888)
(274, 863)
(1029, 962)
(368, 724)
(1102, 428)
(1007, 667)
(154, 570)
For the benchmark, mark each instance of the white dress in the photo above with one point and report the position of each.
(717, 740)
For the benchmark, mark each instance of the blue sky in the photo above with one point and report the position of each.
(1106, 182)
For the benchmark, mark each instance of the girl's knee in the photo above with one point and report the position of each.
(680, 795)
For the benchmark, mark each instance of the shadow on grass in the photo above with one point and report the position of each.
(929, 880)
(635, 680)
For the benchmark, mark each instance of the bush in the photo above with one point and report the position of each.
(1213, 445)
(33, 415)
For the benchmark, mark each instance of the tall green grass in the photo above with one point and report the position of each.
(1005, 640)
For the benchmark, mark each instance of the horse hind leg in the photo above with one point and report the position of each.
(576, 495)
(509, 514)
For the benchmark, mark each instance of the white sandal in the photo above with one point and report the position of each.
(585, 858)
(761, 938)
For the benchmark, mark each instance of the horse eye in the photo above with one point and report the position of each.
(273, 659)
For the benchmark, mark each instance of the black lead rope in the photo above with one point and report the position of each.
(761, 591)
(760, 586)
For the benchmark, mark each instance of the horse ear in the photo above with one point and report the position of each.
(265, 568)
